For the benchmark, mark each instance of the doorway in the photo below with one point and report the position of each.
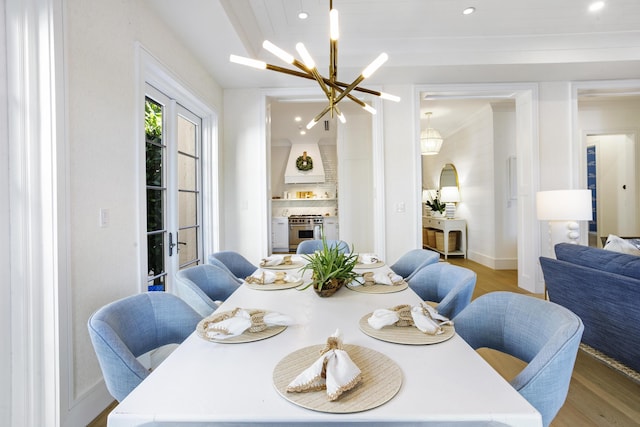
(173, 145)
(526, 167)
(611, 177)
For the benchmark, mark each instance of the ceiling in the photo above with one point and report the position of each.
(428, 41)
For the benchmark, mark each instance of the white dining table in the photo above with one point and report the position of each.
(204, 383)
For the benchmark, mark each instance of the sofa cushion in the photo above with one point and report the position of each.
(618, 244)
(599, 259)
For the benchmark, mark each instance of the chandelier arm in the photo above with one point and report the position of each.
(317, 118)
(349, 88)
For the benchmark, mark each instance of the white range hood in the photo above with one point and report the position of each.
(293, 175)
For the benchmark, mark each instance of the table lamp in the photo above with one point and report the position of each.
(563, 208)
(450, 196)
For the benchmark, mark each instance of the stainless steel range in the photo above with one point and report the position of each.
(303, 227)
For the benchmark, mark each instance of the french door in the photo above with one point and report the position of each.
(173, 146)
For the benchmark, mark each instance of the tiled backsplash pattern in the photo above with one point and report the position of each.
(328, 190)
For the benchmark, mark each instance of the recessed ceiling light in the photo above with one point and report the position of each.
(469, 11)
(596, 6)
(302, 132)
(298, 119)
(303, 15)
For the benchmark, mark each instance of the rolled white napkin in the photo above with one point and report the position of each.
(368, 258)
(382, 317)
(390, 279)
(241, 321)
(424, 322)
(424, 317)
(340, 373)
(265, 277)
(272, 260)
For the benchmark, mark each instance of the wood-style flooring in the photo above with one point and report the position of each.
(598, 395)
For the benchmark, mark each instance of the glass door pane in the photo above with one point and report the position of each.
(189, 193)
(156, 190)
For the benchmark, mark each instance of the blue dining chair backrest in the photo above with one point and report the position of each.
(544, 335)
(128, 328)
(451, 286)
(310, 246)
(201, 286)
(411, 262)
(235, 262)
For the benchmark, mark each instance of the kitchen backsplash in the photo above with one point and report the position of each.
(315, 206)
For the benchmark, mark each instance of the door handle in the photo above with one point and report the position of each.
(171, 244)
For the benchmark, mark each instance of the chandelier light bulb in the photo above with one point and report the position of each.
(342, 118)
(312, 123)
(369, 108)
(248, 62)
(286, 57)
(306, 57)
(377, 63)
(389, 97)
(334, 30)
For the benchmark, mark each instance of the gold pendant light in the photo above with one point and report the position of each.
(334, 90)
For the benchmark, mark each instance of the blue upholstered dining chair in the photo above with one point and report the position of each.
(544, 335)
(235, 262)
(451, 286)
(411, 262)
(310, 246)
(128, 328)
(201, 286)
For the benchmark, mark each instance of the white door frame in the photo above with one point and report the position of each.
(526, 96)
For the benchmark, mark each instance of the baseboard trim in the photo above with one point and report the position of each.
(494, 263)
(88, 406)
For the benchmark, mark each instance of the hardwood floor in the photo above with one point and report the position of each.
(598, 395)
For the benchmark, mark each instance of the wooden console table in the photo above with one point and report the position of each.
(447, 226)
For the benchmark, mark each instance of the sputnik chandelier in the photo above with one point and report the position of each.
(334, 89)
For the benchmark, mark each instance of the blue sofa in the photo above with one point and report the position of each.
(603, 288)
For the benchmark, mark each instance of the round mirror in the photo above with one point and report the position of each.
(448, 176)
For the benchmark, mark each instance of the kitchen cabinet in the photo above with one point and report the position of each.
(330, 227)
(280, 234)
(446, 226)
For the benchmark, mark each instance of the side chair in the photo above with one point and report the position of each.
(201, 286)
(310, 246)
(411, 262)
(235, 262)
(543, 334)
(450, 286)
(125, 329)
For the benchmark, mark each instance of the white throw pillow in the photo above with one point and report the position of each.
(618, 244)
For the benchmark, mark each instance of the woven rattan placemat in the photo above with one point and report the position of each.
(283, 266)
(364, 266)
(242, 338)
(381, 380)
(379, 289)
(274, 286)
(405, 334)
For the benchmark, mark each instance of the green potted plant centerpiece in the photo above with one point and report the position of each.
(331, 269)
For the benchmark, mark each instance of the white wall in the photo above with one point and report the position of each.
(402, 207)
(102, 84)
(245, 207)
(355, 171)
(5, 254)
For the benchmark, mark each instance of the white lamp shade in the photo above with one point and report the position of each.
(564, 205)
(449, 194)
(430, 142)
